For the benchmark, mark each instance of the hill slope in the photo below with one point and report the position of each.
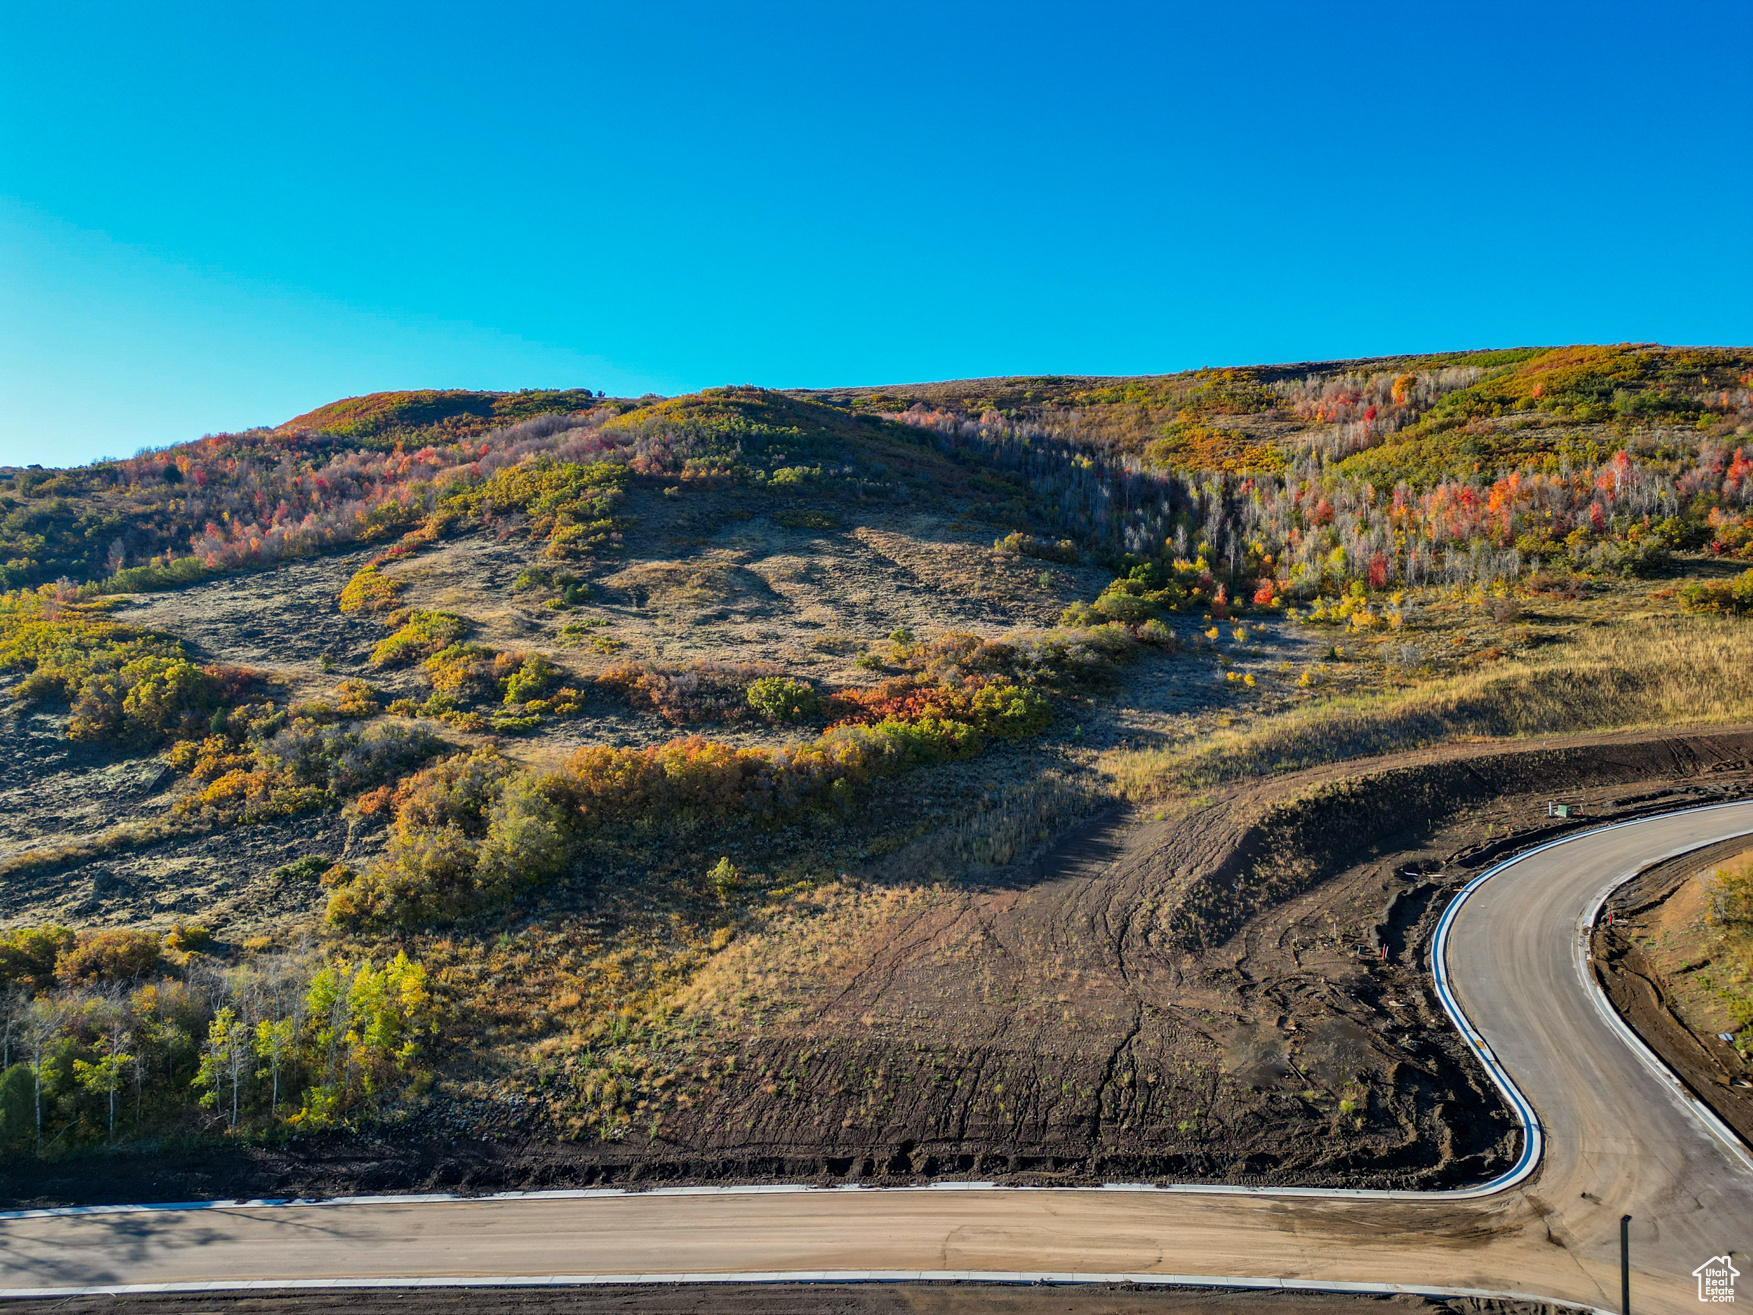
(381, 420)
(1340, 429)
(611, 741)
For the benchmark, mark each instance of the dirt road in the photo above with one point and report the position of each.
(1618, 1137)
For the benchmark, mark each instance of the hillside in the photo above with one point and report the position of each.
(382, 420)
(901, 780)
(1399, 405)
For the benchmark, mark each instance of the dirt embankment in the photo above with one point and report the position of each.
(1099, 1018)
(784, 1299)
(1092, 1018)
(1334, 814)
(1655, 958)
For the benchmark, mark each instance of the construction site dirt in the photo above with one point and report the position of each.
(1238, 992)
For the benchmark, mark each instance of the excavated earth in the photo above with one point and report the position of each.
(1075, 1023)
(1238, 992)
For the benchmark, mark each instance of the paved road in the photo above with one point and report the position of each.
(1618, 1138)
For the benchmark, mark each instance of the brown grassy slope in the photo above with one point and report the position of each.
(1657, 670)
(706, 574)
(923, 1010)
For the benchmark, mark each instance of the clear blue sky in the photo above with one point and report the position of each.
(219, 216)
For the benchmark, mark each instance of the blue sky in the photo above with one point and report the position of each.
(219, 216)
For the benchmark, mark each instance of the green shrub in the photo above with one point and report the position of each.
(1010, 710)
(783, 698)
(146, 579)
(1027, 545)
(468, 833)
(28, 955)
(344, 760)
(421, 634)
(724, 877)
(109, 956)
(572, 590)
(569, 504)
(1644, 557)
(927, 742)
(534, 677)
(1128, 609)
(185, 938)
(122, 683)
(1729, 597)
(527, 831)
(308, 868)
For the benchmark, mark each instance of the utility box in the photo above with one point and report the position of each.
(1557, 810)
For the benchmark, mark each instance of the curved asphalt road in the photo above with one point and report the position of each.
(1619, 1137)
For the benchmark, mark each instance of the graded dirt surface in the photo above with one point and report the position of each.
(780, 1299)
(1618, 1138)
(1068, 1023)
(1051, 1023)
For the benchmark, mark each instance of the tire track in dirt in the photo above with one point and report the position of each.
(1044, 1025)
(1142, 1047)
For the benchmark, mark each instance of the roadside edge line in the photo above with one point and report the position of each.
(763, 1277)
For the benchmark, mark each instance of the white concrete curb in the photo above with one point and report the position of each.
(1701, 1114)
(1043, 1277)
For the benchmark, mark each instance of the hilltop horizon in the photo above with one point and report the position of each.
(1045, 377)
(455, 411)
